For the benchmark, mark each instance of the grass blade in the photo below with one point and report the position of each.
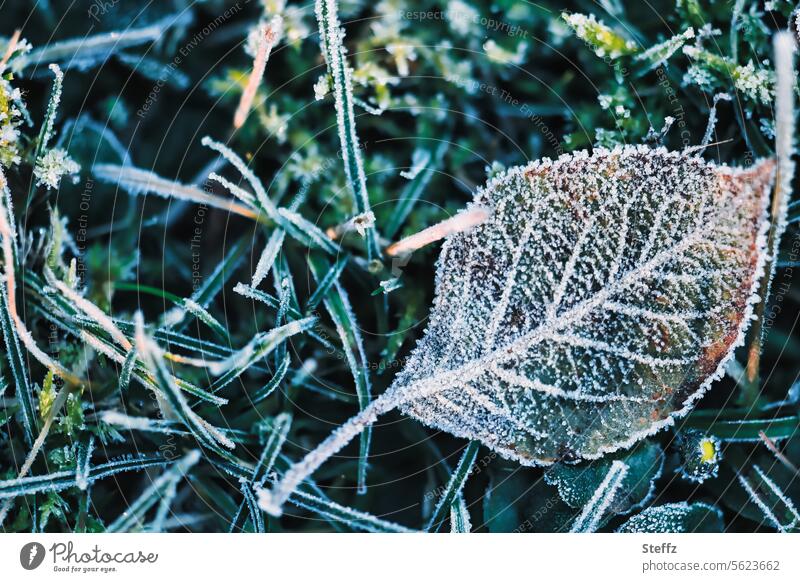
(338, 305)
(60, 480)
(331, 38)
(454, 486)
(161, 489)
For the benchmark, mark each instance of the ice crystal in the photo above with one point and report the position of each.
(461, 17)
(52, 166)
(596, 304)
(10, 120)
(755, 83)
(603, 40)
(658, 54)
(322, 87)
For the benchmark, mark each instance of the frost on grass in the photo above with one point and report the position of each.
(596, 304)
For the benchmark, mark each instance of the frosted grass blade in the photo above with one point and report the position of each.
(331, 40)
(454, 486)
(84, 53)
(338, 306)
(60, 480)
(162, 488)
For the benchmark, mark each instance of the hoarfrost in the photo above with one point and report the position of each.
(596, 304)
(675, 517)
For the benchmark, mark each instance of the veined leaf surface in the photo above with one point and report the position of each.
(596, 304)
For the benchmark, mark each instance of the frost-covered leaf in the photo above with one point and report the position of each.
(578, 484)
(596, 304)
(676, 518)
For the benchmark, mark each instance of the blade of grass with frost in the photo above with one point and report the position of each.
(256, 517)
(261, 472)
(289, 220)
(83, 456)
(264, 297)
(207, 435)
(84, 53)
(222, 273)
(270, 34)
(46, 132)
(280, 373)
(268, 256)
(237, 191)
(773, 500)
(742, 429)
(331, 41)
(195, 309)
(594, 511)
(144, 424)
(784, 47)
(163, 488)
(330, 278)
(121, 420)
(257, 295)
(154, 70)
(127, 369)
(338, 306)
(287, 297)
(277, 436)
(352, 518)
(260, 346)
(311, 231)
(19, 369)
(261, 194)
(454, 486)
(459, 516)
(60, 480)
(137, 182)
(412, 192)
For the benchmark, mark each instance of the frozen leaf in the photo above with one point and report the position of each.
(676, 518)
(577, 484)
(598, 302)
(599, 504)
